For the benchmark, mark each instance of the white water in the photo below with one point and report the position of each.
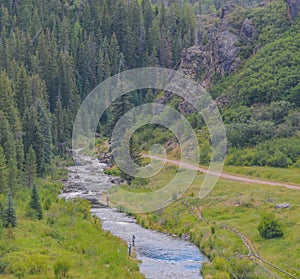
(162, 256)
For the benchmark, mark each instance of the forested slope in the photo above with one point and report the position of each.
(52, 54)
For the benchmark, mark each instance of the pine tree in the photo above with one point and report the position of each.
(119, 107)
(34, 136)
(22, 90)
(35, 204)
(13, 174)
(100, 66)
(130, 47)
(114, 54)
(44, 119)
(165, 52)
(6, 138)
(9, 216)
(3, 171)
(30, 167)
(135, 152)
(59, 133)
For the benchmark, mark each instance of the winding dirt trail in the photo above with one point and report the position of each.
(224, 175)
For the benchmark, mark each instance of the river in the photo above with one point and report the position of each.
(162, 256)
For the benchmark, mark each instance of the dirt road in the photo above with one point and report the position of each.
(226, 175)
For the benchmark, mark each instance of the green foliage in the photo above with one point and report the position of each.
(41, 248)
(19, 269)
(269, 227)
(113, 172)
(30, 167)
(9, 215)
(282, 152)
(34, 207)
(61, 268)
(46, 71)
(3, 172)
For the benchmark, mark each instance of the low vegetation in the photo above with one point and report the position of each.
(233, 205)
(54, 238)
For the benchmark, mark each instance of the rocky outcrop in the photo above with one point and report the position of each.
(218, 50)
(247, 30)
(292, 8)
(227, 57)
(227, 9)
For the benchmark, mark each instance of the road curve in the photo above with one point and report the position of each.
(224, 175)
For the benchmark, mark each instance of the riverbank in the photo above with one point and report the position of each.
(161, 255)
(231, 214)
(68, 240)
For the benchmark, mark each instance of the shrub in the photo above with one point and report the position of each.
(61, 268)
(221, 275)
(269, 227)
(19, 269)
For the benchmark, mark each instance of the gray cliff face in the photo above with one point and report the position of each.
(221, 53)
(247, 30)
(292, 8)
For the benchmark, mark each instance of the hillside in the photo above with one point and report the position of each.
(248, 60)
(54, 53)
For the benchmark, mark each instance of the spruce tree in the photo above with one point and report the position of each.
(13, 174)
(135, 152)
(114, 54)
(35, 204)
(30, 167)
(9, 216)
(3, 171)
(22, 90)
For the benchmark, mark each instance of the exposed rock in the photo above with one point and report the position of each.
(256, 49)
(222, 101)
(227, 9)
(185, 236)
(247, 30)
(227, 56)
(236, 203)
(116, 180)
(282, 205)
(218, 51)
(196, 62)
(106, 159)
(292, 8)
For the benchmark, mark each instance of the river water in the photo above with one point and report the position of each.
(162, 256)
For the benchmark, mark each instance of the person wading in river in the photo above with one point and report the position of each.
(133, 238)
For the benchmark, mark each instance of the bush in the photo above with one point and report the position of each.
(221, 275)
(269, 227)
(19, 269)
(61, 268)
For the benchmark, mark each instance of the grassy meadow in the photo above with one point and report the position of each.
(239, 205)
(289, 175)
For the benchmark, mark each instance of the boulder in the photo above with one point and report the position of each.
(247, 30)
(282, 205)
